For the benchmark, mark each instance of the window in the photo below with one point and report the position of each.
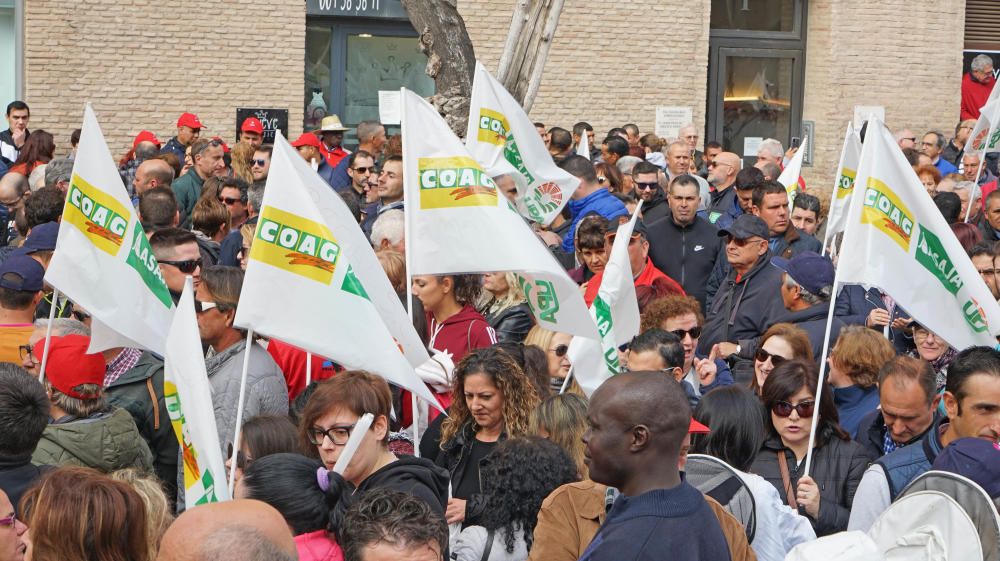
(9, 51)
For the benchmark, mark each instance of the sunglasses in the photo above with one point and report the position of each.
(228, 200)
(776, 360)
(694, 332)
(200, 306)
(8, 521)
(188, 266)
(241, 459)
(338, 434)
(560, 350)
(784, 409)
(646, 186)
(256, 162)
(369, 169)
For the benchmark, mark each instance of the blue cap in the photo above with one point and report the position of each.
(809, 269)
(975, 458)
(745, 227)
(21, 273)
(41, 238)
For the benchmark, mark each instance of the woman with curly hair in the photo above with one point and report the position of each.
(492, 401)
(520, 474)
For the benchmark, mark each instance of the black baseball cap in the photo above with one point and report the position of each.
(746, 226)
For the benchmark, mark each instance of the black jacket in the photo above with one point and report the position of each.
(140, 392)
(656, 209)
(416, 476)
(17, 473)
(791, 244)
(512, 324)
(871, 434)
(812, 320)
(450, 457)
(686, 254)
(855, 303)
(837, 467)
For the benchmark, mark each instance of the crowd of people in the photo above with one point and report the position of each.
(734, 287)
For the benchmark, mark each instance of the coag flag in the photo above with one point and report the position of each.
(188, 396)
(504, 141)
(790, 175)
(103, 261)
(456, 223)
(615, 312)
(313, 280)
(897, 240)
(850, 154)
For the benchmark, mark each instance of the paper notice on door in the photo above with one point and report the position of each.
(751, 144)
(670, 118)
(388, 107)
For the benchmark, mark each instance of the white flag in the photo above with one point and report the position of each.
(456, 223)
(615, 312)
(985, 136)
(790, 175)
(897, 240)
(188, 396)
(103, 261)
(583, 147)
(850, 155)
(322, 291)
(503, 140)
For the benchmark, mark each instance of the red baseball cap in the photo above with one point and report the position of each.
(252, 124)
(145, 136)
(69, 365)
(307, 139)
(189, 120)
(697, 428)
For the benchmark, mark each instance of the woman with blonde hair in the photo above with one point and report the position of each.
(394, 265)
(555, 345)
(563, 420)
(506, 308)
(241, 155)
(159, 511)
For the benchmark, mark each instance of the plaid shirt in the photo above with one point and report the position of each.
(122, 363)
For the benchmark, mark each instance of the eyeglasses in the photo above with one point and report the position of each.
(8, 521)
(646, 186)
(369, 169)
(910, 138)
(188, 266)
(784, 409)
(256, 162)
(740, 243)
(694, 332)
(200, 306)
(560, 350)
(27, 353)
(241, 460)
(228, 200)
(776, 360)
(338, 434)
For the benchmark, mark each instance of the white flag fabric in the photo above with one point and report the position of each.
(897, 240)
(850, 155)
(790, 175)
(456, 223)
(188, 396)
(103, 261)
(583, 147)
(503, 140)
(615, 312)
(985, 136)
(322, 291)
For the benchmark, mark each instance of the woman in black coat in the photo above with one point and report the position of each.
(826, 494)
(507, 311)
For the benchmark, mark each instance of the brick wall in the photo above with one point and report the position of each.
(609, 64)
(141, 64)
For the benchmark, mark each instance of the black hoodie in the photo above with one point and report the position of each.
(416, 476)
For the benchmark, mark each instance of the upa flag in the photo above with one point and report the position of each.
(615, 311)
(456, 223)
(985, 136)
(850, 155)
(188, 396)
(504, 141)
(790, 175)
(334, 298)
(103, 261)
(897, 240)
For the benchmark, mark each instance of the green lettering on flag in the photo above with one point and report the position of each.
(140, 258)
(932, 255)
(544, 303)
(353, 285)
(513, 155)
(602, 315)
(974, 316)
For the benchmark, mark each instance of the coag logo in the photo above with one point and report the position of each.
(98, 215)
(845, 184)
(295, 244)
(493, 127)
(454, 182)
(884, 210)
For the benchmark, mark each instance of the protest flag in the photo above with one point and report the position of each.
(847, 169)
(583, 147)
(985, 136)
(790, 175)
(334, 298)
(103, 261)
(188, 396)
(503, 140)
(456, 223)
(615, 312)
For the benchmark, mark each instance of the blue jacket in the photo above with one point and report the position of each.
(337, 177)
(945, 167)
(600, 202)
(174, 147)
(854, 303)
(725, 208)
(905, 464)
(853, 404)
(672, 523)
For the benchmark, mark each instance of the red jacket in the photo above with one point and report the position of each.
(974, 96)
(318, 546)
(292, 362)
(646, 277)
(334, 156)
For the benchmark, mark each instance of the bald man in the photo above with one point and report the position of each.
(636, 424)
(152, 174)
(14, 191)
(722, 176)
(238, 530)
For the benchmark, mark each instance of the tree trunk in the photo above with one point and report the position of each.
(451, 60)
(522, 63)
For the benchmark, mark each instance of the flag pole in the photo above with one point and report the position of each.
(975, 182)
(408, 235)
(565, 384)
(239, 412)
(822, 373)
(309, 368)
(48, 335)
